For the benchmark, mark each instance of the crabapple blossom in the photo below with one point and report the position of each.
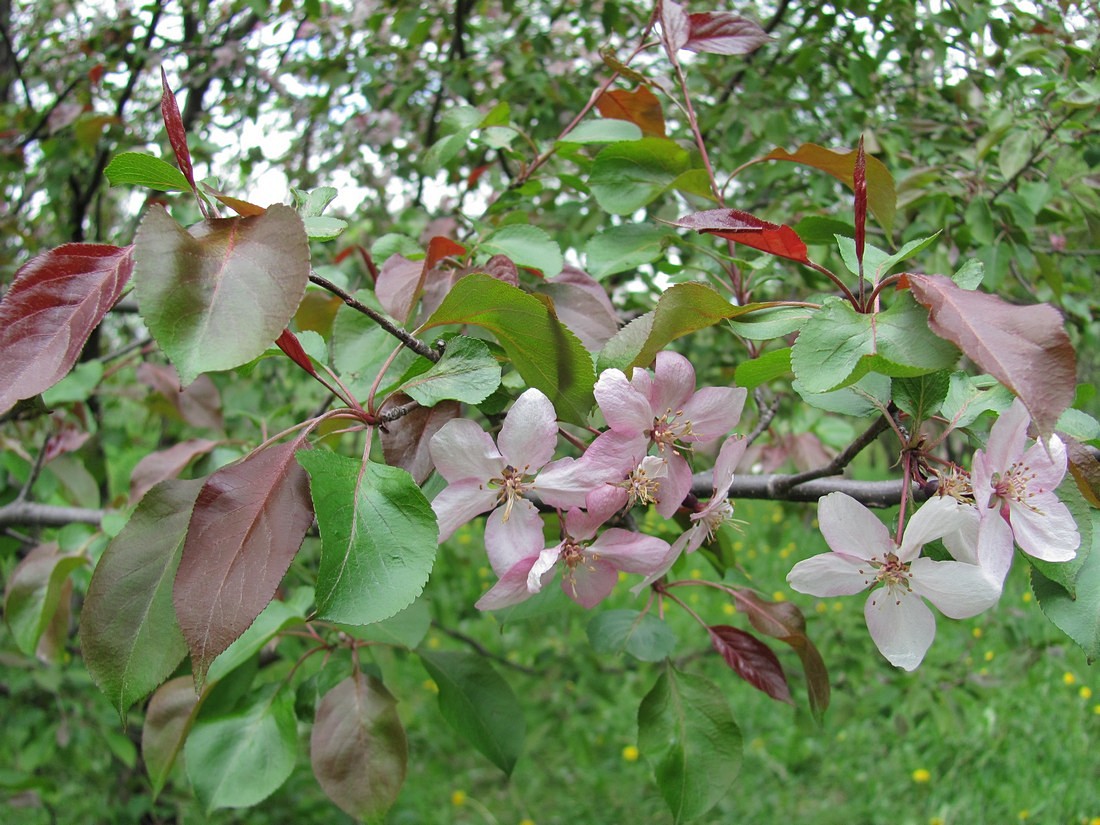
(864, 555)
(663, 409)
(1014, 495)
(590, 569)
(483, 476)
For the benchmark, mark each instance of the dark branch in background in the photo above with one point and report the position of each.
(9, 60)
(415, 344)
(843, 459)
(32, 514)
(871, 493)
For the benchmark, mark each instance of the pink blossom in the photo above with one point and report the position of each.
(1014, 494)
(864, 555)
(484, 476)
(590, 569)
(663, 409)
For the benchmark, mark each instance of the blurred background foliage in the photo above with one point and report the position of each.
(986, 112)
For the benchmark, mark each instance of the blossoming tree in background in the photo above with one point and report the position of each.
(476, 376)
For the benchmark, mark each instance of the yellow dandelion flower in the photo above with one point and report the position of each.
(922, 776)
(838, 606)
(937, 820)
(1085, 692)
(430, 686)
(1068, 678)
(729, 609)
(527, 822)
(458, 798)
(976, 633)
(988, 656)
(1024, 814)
(779, 596)
(695, 573)
(1026, 597)
(821, 607)
(630, 754)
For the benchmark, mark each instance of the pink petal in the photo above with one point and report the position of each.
(462, 450)
(606, 501)
(713, 412)
(831, 574)
(1046, 463)
(851, 528)
(675, 486)
(1046, 532)
(981, 479)
(590, 584)
(459, 503)
(530, 432)
(901, 625)
(624, 408)
(629, 551)
(580, 525)
(506, 542)
(1007, 438)
(958, 590)
(510, 590)
(673, 382)
(733, 450)
(661, 569)
(935, 519)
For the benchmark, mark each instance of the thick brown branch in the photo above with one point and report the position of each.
(32, 514)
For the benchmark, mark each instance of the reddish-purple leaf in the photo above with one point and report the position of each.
(290, 344)
(168, 720)
(502, 268)
(675, 26)
(54, 303)
(358, 747)
(68, 439)
(216, 296)
(247, 526)
(752, 660)
(199, 405)
(749, 230)
(1085, 469)
(164, 464)
(859, 180)
(640, 107)
(399, 285)
(405, 440)
(440, 248)
(1026, 348)
(177, 135)
(722, 32)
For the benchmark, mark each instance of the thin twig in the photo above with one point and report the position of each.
(483, 651)
(842, 460)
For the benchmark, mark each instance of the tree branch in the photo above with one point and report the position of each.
(32, 514)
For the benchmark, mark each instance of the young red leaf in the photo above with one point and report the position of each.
(177, 135)
(54, 303)
(199, 405)
(882, 197)
(358, 747)
(640, 107)
(1026, 348)
(752, 660)
(859, 180)
(675, 27)
(246, 528)
(722, 32)
(440, 248)
(168, 719)
(164, 464)
(749, 230)
(216, 296)
(289, 344)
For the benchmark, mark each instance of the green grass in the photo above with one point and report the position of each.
(998, 719)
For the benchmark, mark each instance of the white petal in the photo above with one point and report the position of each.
(459, 503)
(962, 544)
(1008, 436)
(1046, 464)
(1048, 532)
(831, 574)
(530, 431)
(624, 408)
(936, 518)
(851, 528)
(901, 625)
(958, 590)
(543, 565)
(506, 542)
(995, 545)
(462, 450)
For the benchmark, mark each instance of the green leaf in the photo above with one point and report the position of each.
(479, 705)
(760, 370)
(215, 297)
(877, 262)
(622, 248)
(970, 274)
(525, 246)
(1015, 153)
(129, 635)
(168, 720)
(867, 396)
(626, 176)
(1078, 618)
(78, 385)
(688, 735)
(920, 397)
(358, 748)
(239, 760)
(839, 345)
(378, 537)
(969, 396)
(136, 169)
(321, 228)
(605, 130)
(273, 619)
(34, 593)
(642, 635)
(545, 353)
(407, 629)
(770, 321)
(467, 372)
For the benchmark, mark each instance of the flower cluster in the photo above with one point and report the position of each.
(654, 420)
(1008, 499)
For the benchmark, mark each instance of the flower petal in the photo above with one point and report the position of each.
(460, 502)
(901, 625)
(851, 528)
(590, 584)
(935, 519)
(1007, 437)
(517, 537)
(511, 589)
(673, 382)
(545, 563)
(713, 412)
(462, 450)
(530, 431)
(1046, 464)
(624, 408)
(675, 486)
(733, 450)
(958, 590)
(1046, 530)
(995, 545)
(831, 574)
(629, 551)
(962, 543)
